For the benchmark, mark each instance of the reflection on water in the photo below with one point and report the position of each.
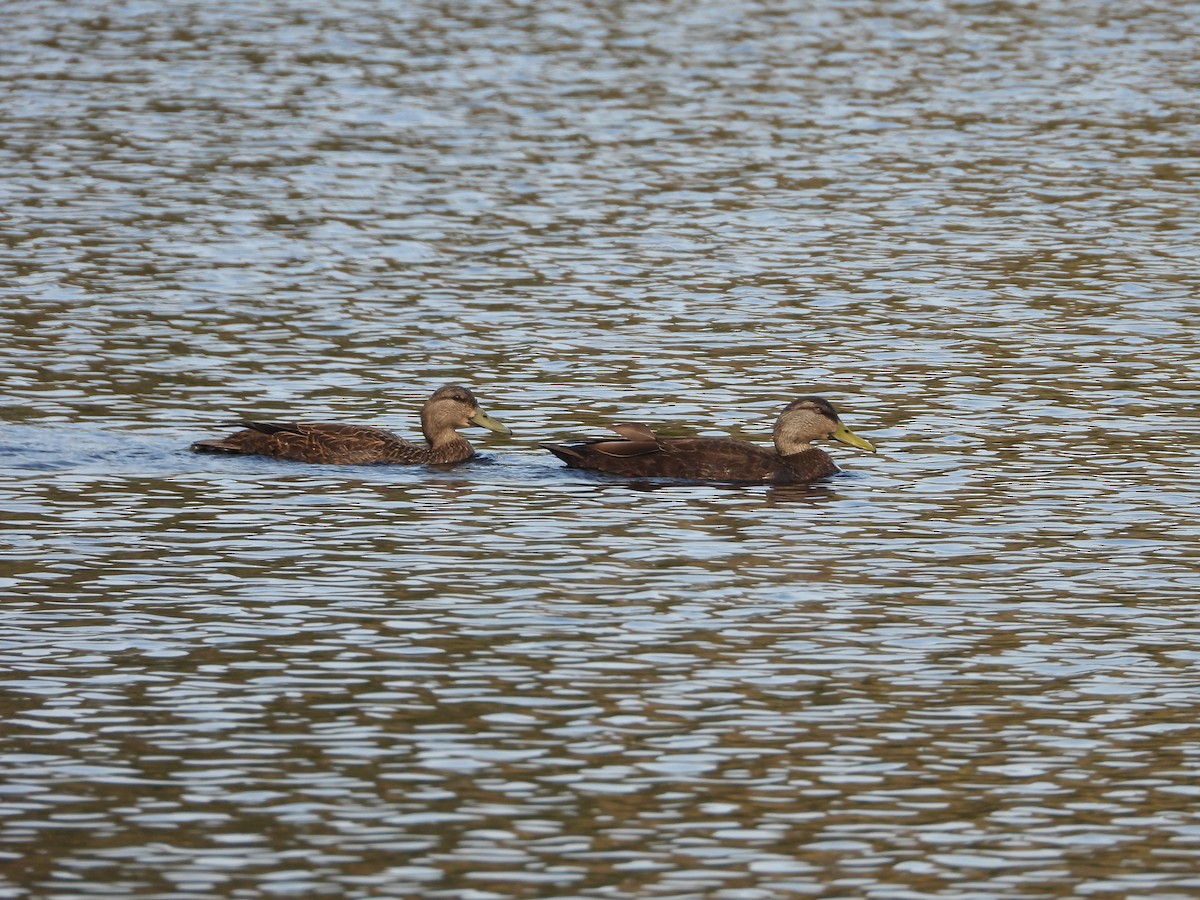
(965, 668)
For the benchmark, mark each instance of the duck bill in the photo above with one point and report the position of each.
(846, 436)
(483, 420)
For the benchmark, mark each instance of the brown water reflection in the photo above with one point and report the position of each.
(966, 668)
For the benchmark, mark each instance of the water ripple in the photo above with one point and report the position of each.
(965, 668)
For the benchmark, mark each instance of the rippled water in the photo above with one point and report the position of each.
(966, 668)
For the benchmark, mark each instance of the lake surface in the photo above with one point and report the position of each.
(969, 667)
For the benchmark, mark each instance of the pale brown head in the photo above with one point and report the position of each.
(809, 419)
(452, 407)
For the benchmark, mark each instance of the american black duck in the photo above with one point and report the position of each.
(450, 408)
(642, 454)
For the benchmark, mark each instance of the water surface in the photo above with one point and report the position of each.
(965, 668)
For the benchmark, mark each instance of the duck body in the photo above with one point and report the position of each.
(698, 459)
(640, 453)
(331, 442)
(451, 407)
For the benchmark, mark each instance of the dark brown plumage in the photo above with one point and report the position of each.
(642, 454)
(450, 408)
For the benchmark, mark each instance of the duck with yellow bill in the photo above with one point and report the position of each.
(640, 453)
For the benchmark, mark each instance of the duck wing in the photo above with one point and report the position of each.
(635, 431)
(639, 440)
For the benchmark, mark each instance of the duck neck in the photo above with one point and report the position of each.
(438, 435)
(811, 464)
(454, 448)
(786, 445)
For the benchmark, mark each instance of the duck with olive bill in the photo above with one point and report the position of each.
(450, 408)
